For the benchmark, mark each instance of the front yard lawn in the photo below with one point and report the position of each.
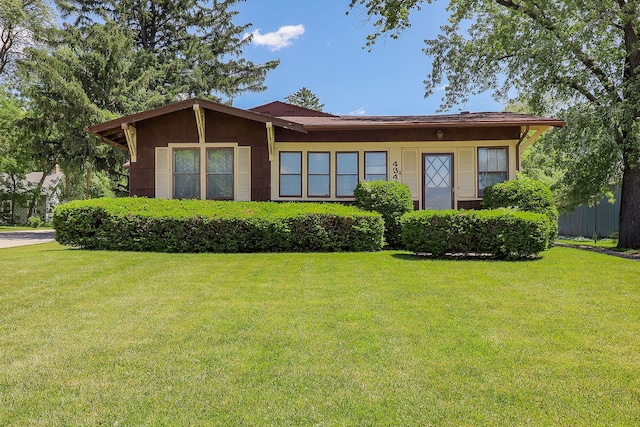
(133, 339)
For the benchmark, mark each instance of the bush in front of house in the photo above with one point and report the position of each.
(158, 225)
(34, 221)
(524, 194)
(500, 233)
(391, 199)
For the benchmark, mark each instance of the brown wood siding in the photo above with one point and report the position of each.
(470, 204)
(403, 134)
(180, 127)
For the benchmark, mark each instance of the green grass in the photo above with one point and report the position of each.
(133, 339)
(7, 228)
(582, 241)
(610, 244)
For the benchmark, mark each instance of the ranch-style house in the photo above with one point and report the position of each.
(202, 149)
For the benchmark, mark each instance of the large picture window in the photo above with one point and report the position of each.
(346, 174)
(492, 167)
(291, 174)
(318, 174)
(220, 173)
(375, 165)
(186, 174)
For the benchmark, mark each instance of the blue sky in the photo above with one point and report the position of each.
(321, 47)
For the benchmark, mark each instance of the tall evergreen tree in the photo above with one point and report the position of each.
(192, 47)
(305, 98)
(582, 56)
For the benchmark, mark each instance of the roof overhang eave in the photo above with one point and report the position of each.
(430, 125)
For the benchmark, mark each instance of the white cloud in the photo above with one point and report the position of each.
(359, 112)
(278, 39)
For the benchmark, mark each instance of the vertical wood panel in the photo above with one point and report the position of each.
(410, 171)
(244, 174)
(466, 173)
(163, 173)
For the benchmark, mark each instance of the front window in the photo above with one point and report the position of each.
(186, 174)
(346, 174)
(375, 166)
(492, 167)
(291, 174)
(220, 173)
(318, 174)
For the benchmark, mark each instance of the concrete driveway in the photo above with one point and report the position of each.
(27, 237)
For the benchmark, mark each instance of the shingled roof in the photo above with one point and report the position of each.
(302, 119)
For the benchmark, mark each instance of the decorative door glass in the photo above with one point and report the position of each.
(438, 182)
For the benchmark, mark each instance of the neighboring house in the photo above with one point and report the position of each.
(202, 149)
(49, 196)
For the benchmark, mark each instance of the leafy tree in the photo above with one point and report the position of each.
(583, 57)
(305, 98)
(184, 48)
(21, 24)
(15, 159)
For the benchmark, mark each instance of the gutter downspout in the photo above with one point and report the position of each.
(522, 138)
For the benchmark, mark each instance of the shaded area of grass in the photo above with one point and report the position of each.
(95, 338)
(606, 244)
(582, 241)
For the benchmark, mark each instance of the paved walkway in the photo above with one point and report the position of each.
(28, 237)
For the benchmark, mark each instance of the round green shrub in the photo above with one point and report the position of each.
(500, 233)
(391, 200)
(34, 222)
(523, 194)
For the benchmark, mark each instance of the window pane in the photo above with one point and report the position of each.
(345, 184)
(291, 185)
(319, 185)
(347, 163)
(219, 186)
(186, 161)
(482, 159)
(375, 164)
(501, 158)
(186, 186)
(492, 159)
(485, 179)
(220, 160)
(290, 163)
(375, 177)
(318, 163)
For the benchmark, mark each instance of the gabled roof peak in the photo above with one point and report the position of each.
(283, 109)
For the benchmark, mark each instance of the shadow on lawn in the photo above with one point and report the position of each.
(461, 257)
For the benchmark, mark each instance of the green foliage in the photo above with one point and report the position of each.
(181, 48)
(561, 58)
(22, 22)
(524, 194)
(305, 98)
(139, 224)
(504, 234)
(34, 221)
(391, 200)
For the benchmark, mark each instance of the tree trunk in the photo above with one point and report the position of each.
(630, 208)
(36, 195)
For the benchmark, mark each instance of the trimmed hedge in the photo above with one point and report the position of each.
(158, 225)
(524, 194)
(391, 199)
(500, 233)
